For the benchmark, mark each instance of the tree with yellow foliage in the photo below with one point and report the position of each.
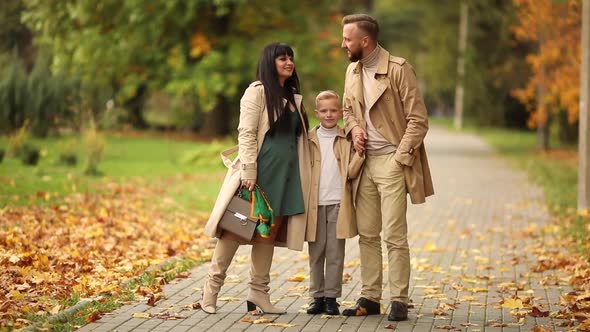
(555, 27)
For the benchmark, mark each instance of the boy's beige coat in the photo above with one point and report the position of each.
(346, 224)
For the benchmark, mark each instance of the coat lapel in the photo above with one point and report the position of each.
(298, 100)
(356, 85)
(381, 78)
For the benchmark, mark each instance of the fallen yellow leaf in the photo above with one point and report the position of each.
(142, 315)
(510, 303)
(281, 324)
(351, 264)
(261, 320)
(229, 299)
(298, 277)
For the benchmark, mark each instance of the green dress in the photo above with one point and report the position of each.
(278, 166)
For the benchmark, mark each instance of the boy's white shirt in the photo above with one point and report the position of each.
(330, 188)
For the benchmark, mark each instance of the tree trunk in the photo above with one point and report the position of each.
(217, 121)
(543, 135)
(543, 117)
(459, 88)
(584, 143)
(135, 108)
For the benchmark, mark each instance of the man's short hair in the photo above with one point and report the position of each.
(364, 22)
(326, 94)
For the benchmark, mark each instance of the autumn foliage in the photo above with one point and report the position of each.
(86, 244)
(555, 27)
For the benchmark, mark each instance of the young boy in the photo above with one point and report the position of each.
(331, 218)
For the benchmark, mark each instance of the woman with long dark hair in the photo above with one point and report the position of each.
(273, 154)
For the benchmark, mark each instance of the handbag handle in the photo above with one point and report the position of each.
(225, 156)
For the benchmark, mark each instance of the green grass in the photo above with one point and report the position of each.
(554, 171)
(124, 158)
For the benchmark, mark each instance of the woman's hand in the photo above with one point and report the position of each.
(249, 184)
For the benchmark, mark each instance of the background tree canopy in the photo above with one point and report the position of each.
(184, 64)
(203, 51)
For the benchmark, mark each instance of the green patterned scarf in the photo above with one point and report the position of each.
(260, 210)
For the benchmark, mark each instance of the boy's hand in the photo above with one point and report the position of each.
(359, 138)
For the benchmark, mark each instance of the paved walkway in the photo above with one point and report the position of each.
(469, 245)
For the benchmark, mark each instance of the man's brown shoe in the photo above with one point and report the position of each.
(399, 311)
(363, 307)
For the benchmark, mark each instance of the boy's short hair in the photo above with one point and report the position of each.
(326, 94)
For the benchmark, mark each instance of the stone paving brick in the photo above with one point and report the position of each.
(465, 239)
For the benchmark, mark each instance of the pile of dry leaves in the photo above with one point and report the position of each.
(86, 244)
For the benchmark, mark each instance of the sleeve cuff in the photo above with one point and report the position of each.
(248, 171)
(405, 154)
(348, 128)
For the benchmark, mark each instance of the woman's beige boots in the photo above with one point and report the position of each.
(261, 260)
(222, 258)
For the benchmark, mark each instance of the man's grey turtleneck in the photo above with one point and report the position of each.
(376, 143)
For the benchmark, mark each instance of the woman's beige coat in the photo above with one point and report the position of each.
(251, 132)
(346, 223)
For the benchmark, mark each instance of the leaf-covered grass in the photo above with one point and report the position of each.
(150, 205)
(150, 280)
(555, 171)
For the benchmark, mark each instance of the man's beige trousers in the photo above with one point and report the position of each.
(381, 207)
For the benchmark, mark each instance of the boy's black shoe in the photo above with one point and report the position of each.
(332, 306)
(318, 306)
(363, 307)
(399, 311)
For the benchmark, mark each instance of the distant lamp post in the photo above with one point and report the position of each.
(584, 135)
(459, 88)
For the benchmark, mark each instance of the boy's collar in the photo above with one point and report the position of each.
(340, 132)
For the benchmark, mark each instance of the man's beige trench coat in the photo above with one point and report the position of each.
(398, 113)
(346, 222)
(251, 132)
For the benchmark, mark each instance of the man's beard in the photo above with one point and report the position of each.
(355, 56)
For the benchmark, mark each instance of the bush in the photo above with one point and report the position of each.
(30, 155)
(41, 97)
(68, 154)
(18, 140)
(45, 103)
(94, 143)
(13, 93)
(68, 159)
(1, 155)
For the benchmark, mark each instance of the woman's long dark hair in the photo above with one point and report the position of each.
(273, 92)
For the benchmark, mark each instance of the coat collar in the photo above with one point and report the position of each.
(313, 134)
(356, 86)
(298, 102)
(298, 99)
